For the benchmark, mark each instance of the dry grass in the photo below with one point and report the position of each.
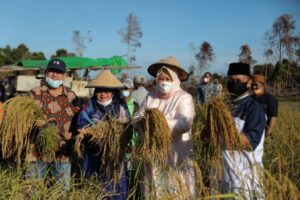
(13, 185)
(282, 152)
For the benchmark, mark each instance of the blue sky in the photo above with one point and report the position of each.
(168, 26)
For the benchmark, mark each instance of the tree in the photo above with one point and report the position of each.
(37, 56)
(245, 55)
(279, 38)
(80, 42)
(63, 53)
(131, 35)
(285, 44)
(268, 53)
(9, 56)
(205, 55)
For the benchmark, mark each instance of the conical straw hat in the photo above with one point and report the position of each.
(170, 62)
(105, 79)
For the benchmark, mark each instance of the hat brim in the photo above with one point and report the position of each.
(182, 74)
(56, 68)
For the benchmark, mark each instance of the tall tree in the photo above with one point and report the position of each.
(80, 41)
(205, 55)
(131, 35)
(245, 55)
(279, 38)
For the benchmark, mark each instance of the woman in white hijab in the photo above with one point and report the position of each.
(178, 109)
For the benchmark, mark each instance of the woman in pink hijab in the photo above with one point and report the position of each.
(178, 109)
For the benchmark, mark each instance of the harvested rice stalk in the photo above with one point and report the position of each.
(213, 131)
(221, 126)
(1, 112)
(154, 143)
(47, 141)
(112, 136)
(20, 115)
(216, 128)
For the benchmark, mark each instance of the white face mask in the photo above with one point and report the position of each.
(126, 93)
(206, 80)
(164, 87)
(105, 103)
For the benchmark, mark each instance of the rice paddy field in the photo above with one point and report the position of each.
(281, 173)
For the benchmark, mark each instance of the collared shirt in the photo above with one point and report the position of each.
(61, 108)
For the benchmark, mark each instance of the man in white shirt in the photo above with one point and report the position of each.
(140, 92)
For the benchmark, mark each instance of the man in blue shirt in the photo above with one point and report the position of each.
(241, 168)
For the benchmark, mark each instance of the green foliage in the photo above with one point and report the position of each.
(10, 55)
(63, 53)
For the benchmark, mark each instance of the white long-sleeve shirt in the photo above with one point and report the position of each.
(179, 112)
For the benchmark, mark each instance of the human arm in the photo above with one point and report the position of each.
(181, 121)
(84, 118)
(271, 125)
(272, 114)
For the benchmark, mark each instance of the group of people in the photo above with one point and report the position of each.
(128, 98)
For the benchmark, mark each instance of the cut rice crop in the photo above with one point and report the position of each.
(20, 115)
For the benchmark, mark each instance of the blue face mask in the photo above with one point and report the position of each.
(54, 83)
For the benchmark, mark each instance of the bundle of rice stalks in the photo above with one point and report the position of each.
(1, 112)
(20, 115)
(154, 143)
(214, 130)
(219, 131)
(112, 136)
(47, 142)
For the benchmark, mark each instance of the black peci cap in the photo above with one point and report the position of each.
(238, 69)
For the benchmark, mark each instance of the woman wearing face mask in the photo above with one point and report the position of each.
(127, 94)
(178, 109)
(105, 104)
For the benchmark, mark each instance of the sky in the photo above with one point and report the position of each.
(169, 27)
